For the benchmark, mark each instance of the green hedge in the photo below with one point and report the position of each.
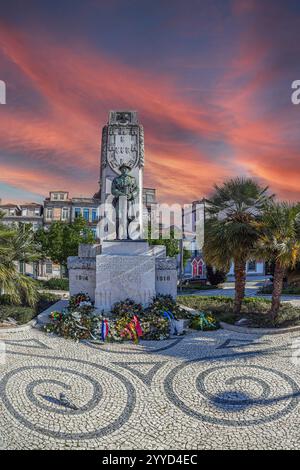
(55, 284)
(23, 314)
(292, 290)
(19, 313)
(199, 286)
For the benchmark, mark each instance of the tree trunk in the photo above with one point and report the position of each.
(277, 290)
(240, 282)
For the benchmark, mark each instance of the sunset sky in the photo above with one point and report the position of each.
(211, 80)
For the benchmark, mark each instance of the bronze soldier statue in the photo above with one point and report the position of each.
(124, 187)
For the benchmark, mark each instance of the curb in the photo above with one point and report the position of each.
(189, 309)
(258, 331)
(18, 329)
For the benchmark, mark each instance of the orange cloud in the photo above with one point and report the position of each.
(77, 90)
(56, 142)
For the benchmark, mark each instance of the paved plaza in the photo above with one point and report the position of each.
(212, 390)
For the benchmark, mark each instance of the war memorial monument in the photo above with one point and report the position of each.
(123, 265)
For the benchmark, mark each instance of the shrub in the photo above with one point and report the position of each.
(288, 315)
(19, 313)
(254, 308)
(5, 299)
(45, 300)
(55, 284)
(197, 286)
(24, 313)
(291, 289)
(214, 276)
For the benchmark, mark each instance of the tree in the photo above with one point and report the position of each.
(172, 246)
(279, 241)
(17, 244)
(61, 240)
(230, 232)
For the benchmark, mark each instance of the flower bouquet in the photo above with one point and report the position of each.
(204, 321)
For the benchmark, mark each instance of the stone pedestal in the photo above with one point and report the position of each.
(125, 269)
(82, 275)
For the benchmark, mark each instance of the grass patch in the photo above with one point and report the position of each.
(255, 309)
(23, 314)
(292, 290)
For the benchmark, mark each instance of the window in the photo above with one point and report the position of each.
(94, 215)
(22, 267)
(94, 230)
(252, 266)
(64, 213)
(77, 212)
(197, 267)
(55, 196)
(24, 212)
(37, 211)
(48, 267)
(86, 214)
(61, 196)
(49, 213)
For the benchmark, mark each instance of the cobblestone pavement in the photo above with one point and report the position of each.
(205, 390)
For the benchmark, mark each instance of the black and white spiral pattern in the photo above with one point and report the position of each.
(68, 399)
(231, 395)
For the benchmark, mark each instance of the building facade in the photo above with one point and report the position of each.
(58, 206)
(195, 267)
(14, 214)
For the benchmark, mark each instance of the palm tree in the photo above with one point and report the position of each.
(17, 245)
(280, 242)
(230, 232)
